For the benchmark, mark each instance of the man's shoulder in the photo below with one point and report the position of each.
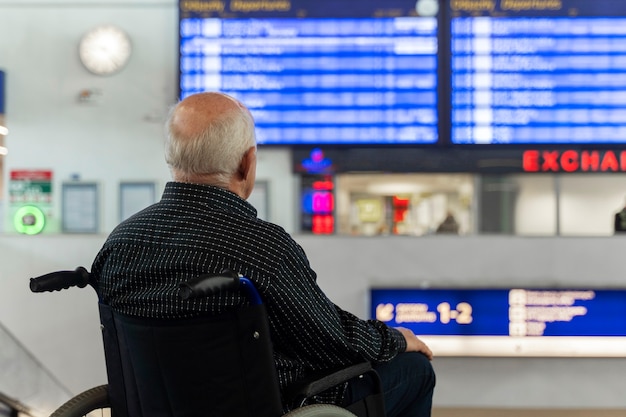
(272, 230)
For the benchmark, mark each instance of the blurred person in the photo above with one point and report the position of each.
(203, 224)
(619, 225)
(449, 225)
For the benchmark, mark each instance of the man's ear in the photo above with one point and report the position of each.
(247, 163)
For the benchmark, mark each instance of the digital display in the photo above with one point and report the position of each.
(318, 204)
(318, 72)
(503, 322)
(540, 72)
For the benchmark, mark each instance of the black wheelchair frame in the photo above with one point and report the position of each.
(135, 347)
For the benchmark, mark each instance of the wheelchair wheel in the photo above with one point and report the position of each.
(93, 402)
(319, 410)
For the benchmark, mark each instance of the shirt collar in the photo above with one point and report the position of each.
(208, 195)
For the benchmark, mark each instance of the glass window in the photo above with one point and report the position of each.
(551, 205)
(524, 204)
(511, 204)
(535, 205)
(404, 204)
(589, 202)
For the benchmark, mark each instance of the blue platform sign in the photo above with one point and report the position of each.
(520, 321)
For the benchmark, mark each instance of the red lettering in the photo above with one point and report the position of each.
(590, 161)
(572, 161)
(550, 161)
(323, 185)
(530, 161)
(323, 224)
(35, 175)
(323, 202)
(569, 161)
(609, 162)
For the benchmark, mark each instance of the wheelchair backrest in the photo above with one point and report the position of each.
(215, 366)
(220, 366)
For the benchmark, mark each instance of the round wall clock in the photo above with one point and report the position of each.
(105, 50)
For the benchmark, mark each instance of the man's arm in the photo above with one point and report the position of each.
(308, 326)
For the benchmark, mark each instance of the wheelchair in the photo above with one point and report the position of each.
(218, 366)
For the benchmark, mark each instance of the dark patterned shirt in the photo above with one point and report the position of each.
(198, 229)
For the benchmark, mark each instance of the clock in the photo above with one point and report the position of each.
(105, 50)
(427, 8)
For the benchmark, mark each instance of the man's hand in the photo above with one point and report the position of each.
(413, 344)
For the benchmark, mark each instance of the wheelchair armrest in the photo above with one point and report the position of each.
(320, 381)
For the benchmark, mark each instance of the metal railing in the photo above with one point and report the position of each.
(15, 408)
(26, 386)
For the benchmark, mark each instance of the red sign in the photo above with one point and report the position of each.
(31, 174)
(323, 224)
(574, 161)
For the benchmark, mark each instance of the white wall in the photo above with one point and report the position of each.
(589, 203)
(119, 138)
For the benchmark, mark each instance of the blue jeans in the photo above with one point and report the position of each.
(408, 381)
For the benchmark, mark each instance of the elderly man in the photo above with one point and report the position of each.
(203, 224)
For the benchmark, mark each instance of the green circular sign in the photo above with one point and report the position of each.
(29, 220)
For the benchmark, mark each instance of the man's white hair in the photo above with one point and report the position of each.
(217, 150)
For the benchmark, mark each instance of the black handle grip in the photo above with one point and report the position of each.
(208, 284)
(59, 280)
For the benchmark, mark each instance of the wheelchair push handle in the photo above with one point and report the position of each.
(208, 284)
(60, 280)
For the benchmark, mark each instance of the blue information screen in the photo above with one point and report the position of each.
(317, 72)
(548, 319)
(514, 312)
(538, 72)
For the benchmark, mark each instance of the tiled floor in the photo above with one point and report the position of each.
(503, 412)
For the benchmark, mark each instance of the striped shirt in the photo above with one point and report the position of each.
(198, 229)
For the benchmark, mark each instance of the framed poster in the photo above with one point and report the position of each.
(135, 196)
(80, 208)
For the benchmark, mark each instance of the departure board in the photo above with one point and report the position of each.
(509, 322)
(318, 72)
(538, 71)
